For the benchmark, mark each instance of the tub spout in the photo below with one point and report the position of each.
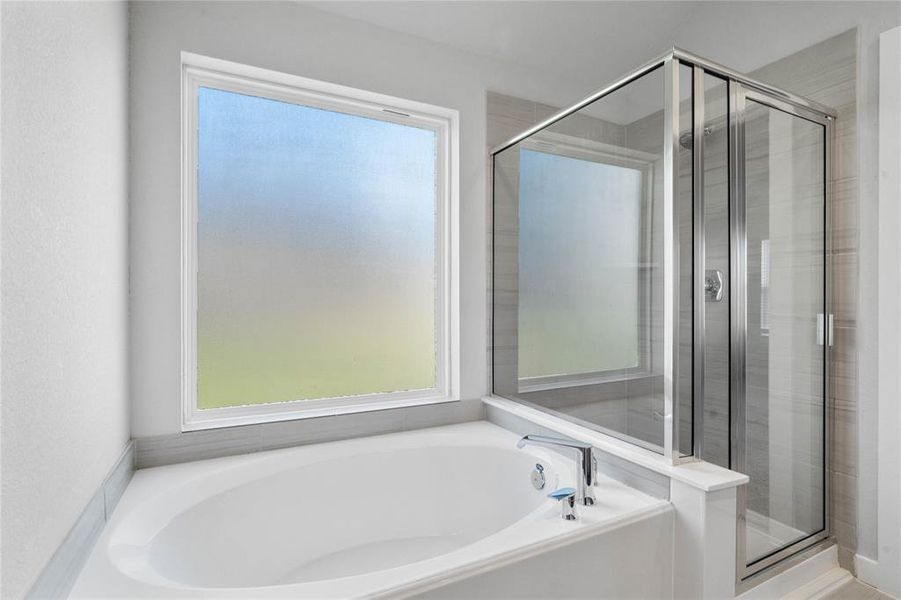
(567, 499)
(586, 476)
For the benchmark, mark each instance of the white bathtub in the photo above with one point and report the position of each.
(424, 512)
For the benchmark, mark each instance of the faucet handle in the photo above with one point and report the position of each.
(567, 498)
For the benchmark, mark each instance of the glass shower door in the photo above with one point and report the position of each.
(779, 385)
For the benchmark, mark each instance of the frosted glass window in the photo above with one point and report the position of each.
(316, 250)
(579, 245)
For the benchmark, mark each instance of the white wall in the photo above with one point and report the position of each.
(886, 573)
(64, 270)
(871, 24)
(304, 41)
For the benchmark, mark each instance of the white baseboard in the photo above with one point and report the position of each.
(867, 570)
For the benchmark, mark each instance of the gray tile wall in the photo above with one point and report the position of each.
(198, 445)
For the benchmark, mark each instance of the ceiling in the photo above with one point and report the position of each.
(593, 43)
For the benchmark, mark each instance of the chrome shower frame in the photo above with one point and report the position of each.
(740, 88)
(738, 95)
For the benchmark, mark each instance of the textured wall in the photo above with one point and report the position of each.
(65, 274)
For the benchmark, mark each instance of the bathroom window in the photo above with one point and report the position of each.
(318, 268)
(585, 206)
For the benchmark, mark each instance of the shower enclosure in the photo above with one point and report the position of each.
(661, 274)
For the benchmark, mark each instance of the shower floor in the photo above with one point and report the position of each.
(766, 535)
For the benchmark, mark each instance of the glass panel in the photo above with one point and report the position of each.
(578, 281)
(785, 404)
(685, 214)
(316, 243)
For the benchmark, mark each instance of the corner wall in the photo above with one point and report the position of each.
(64, 270)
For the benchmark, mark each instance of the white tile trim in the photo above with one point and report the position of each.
(214, 443)
(699, 474)
(867, 570)
(628, 473)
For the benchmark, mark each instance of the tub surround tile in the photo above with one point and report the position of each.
(706, 477)
(448, 413)
(644, 480)
(215, 443)
(301, 432)
(196, 445)
(60, 573)
(118, 479)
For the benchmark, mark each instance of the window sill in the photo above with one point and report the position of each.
(217, 418)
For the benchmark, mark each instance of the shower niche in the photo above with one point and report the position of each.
(660, 274)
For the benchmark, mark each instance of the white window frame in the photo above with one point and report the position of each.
(202, 71)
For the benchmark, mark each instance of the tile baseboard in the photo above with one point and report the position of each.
(189, 446)
(59, 575)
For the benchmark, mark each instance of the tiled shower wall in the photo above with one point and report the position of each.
(827, 74)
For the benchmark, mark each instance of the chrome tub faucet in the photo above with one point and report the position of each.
(586, 477)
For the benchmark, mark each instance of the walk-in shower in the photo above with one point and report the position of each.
(661, 274)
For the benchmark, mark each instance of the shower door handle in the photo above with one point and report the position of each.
(824, 329)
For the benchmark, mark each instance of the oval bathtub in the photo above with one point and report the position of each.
(396, 515)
